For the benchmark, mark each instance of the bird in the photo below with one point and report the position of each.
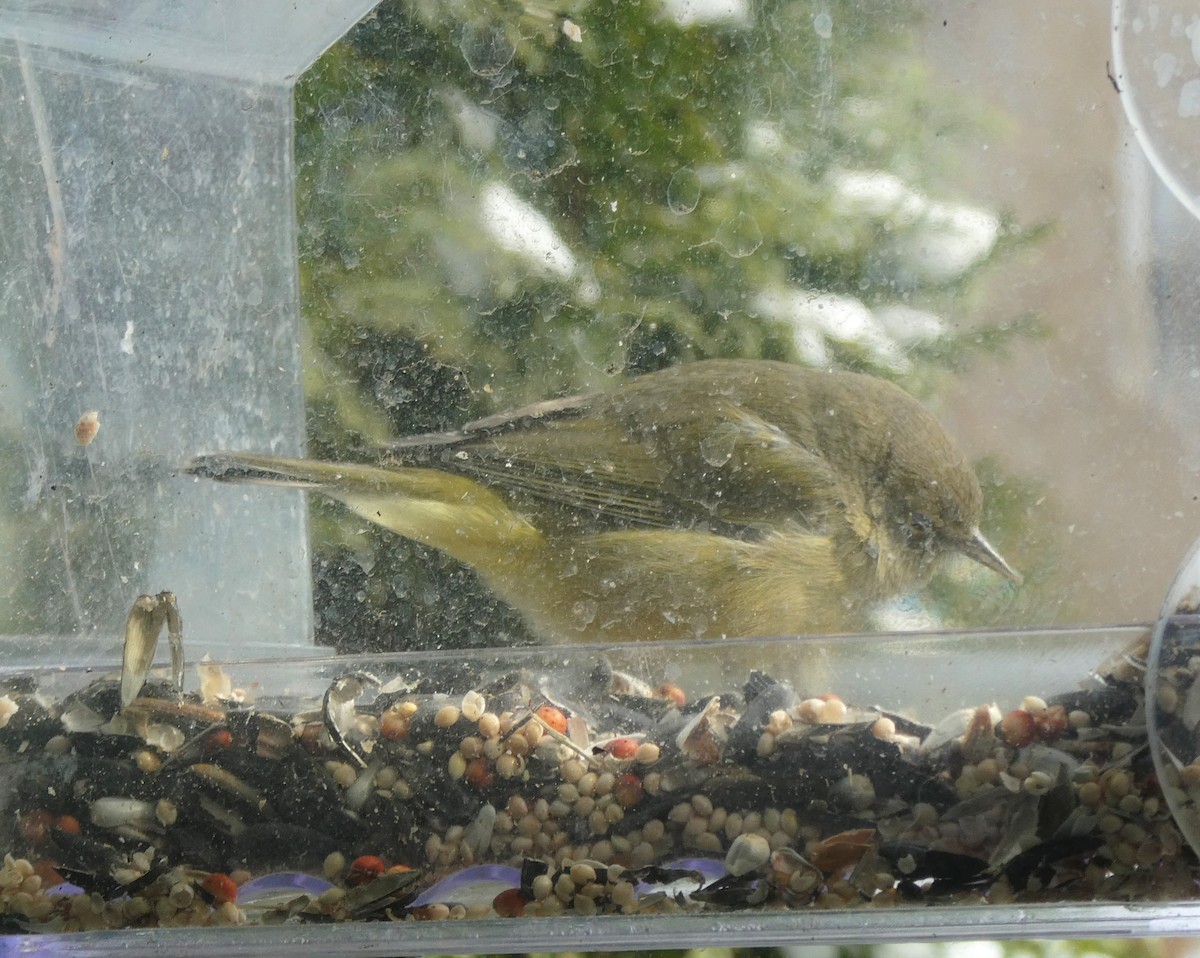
(720, 498)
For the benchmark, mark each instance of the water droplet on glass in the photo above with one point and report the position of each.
(823, 24)
(740, 236)
(678, 85)
(486, 49)
(717, 447)
(683, 192)
(1189, 99)
(584, 612)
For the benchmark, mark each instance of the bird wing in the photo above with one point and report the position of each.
(575, 465)
(554, 469)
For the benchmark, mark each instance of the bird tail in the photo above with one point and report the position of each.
(272, 470)
(453, 513)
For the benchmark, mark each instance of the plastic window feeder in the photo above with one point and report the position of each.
(158, 287)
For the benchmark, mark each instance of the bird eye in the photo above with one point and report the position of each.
(919, 528)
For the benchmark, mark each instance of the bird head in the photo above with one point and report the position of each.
(931, 505)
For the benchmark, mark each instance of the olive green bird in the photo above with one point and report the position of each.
(719, 498)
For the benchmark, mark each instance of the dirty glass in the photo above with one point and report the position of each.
(569, 372)
(519, 212)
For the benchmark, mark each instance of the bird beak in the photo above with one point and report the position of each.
(979, 549)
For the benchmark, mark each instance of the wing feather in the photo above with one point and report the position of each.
(572, 466)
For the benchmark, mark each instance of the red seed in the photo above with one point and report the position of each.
(1018, 728)
(1051, 724)
(35, 826)
(554, 718)
(672, 693)
(68, 823)
(628, 790)
(47, 870)
(365, 868)
(87, 427)
(510, 903)
(397, 869)
(393, 724)
(221, 887)
(622, 748)
(479, 773)
(222, 738)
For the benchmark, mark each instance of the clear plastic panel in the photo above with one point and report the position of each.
(268, 43)
(149, 287)
(1156, 67)
(1173, 698)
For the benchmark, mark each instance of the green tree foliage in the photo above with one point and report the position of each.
(502, 202)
